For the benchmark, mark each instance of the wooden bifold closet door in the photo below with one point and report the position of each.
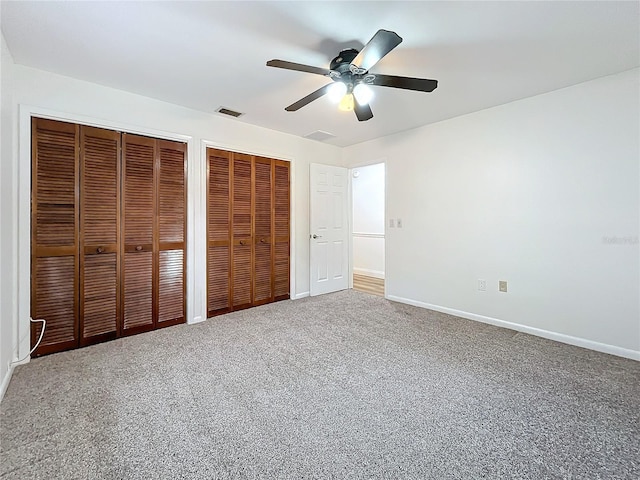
(154, 233)
(99, 233)
(108, 234)
(54, 233)
(247, 230)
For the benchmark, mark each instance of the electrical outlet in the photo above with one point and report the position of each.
(502, 285)
(392, 223)
(399, 223)
(482, 285)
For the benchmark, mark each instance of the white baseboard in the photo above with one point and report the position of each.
(368, 272)
(5, 382)
(197, 319)
(558, 337)
(300, 295)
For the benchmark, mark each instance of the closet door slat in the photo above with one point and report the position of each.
(218, 279)
(171, 299)
(138, 290)
(100, 297)
(54, 300)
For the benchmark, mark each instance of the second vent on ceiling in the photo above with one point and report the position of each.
(319, 135)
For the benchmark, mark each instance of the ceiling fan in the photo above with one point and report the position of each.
(351, 78)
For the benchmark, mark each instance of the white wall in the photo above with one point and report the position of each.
(367, 186)
(542, 193)
(41, 92)
(8, 238)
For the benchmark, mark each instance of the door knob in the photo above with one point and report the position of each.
(316, 236)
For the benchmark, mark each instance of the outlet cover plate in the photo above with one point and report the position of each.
(482, 285)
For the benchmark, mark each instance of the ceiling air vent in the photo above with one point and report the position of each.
(320, 135)
(228, 111)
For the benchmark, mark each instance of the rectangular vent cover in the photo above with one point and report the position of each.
(228, 111)
(319, 135)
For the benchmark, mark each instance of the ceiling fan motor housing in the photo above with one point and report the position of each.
(342, 62)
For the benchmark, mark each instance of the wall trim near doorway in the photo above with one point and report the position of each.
(369, 273)
(368, 235)
(538, 332)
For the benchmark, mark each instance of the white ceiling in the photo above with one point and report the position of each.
(204, 55)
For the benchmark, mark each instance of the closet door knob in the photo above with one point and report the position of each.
(99, 249)
(262, 240)
(138, 247)
(241, 242)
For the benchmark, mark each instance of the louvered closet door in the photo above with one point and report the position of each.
(54, 242)
(99, 233)
(171, 232)
(262, 221)
(138, 210)
(281, 229)
(218, 232)
(241, 228)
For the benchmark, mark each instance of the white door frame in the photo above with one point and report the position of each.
(351, 168)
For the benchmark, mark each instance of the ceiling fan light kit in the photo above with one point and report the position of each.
(346, 104)
(363, 93)
(336, 91)
(351, 78)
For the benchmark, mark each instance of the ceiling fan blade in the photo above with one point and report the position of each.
(363, 112)
(308, 99)
(380, 44)
(298, 67)
(407, 83)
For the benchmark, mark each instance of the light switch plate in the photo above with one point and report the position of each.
(503, 285)
(399, 223)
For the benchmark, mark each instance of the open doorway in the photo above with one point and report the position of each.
(368, 228)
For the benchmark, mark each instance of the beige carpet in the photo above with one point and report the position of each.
(346, 385)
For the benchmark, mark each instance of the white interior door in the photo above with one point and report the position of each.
(329, 232)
